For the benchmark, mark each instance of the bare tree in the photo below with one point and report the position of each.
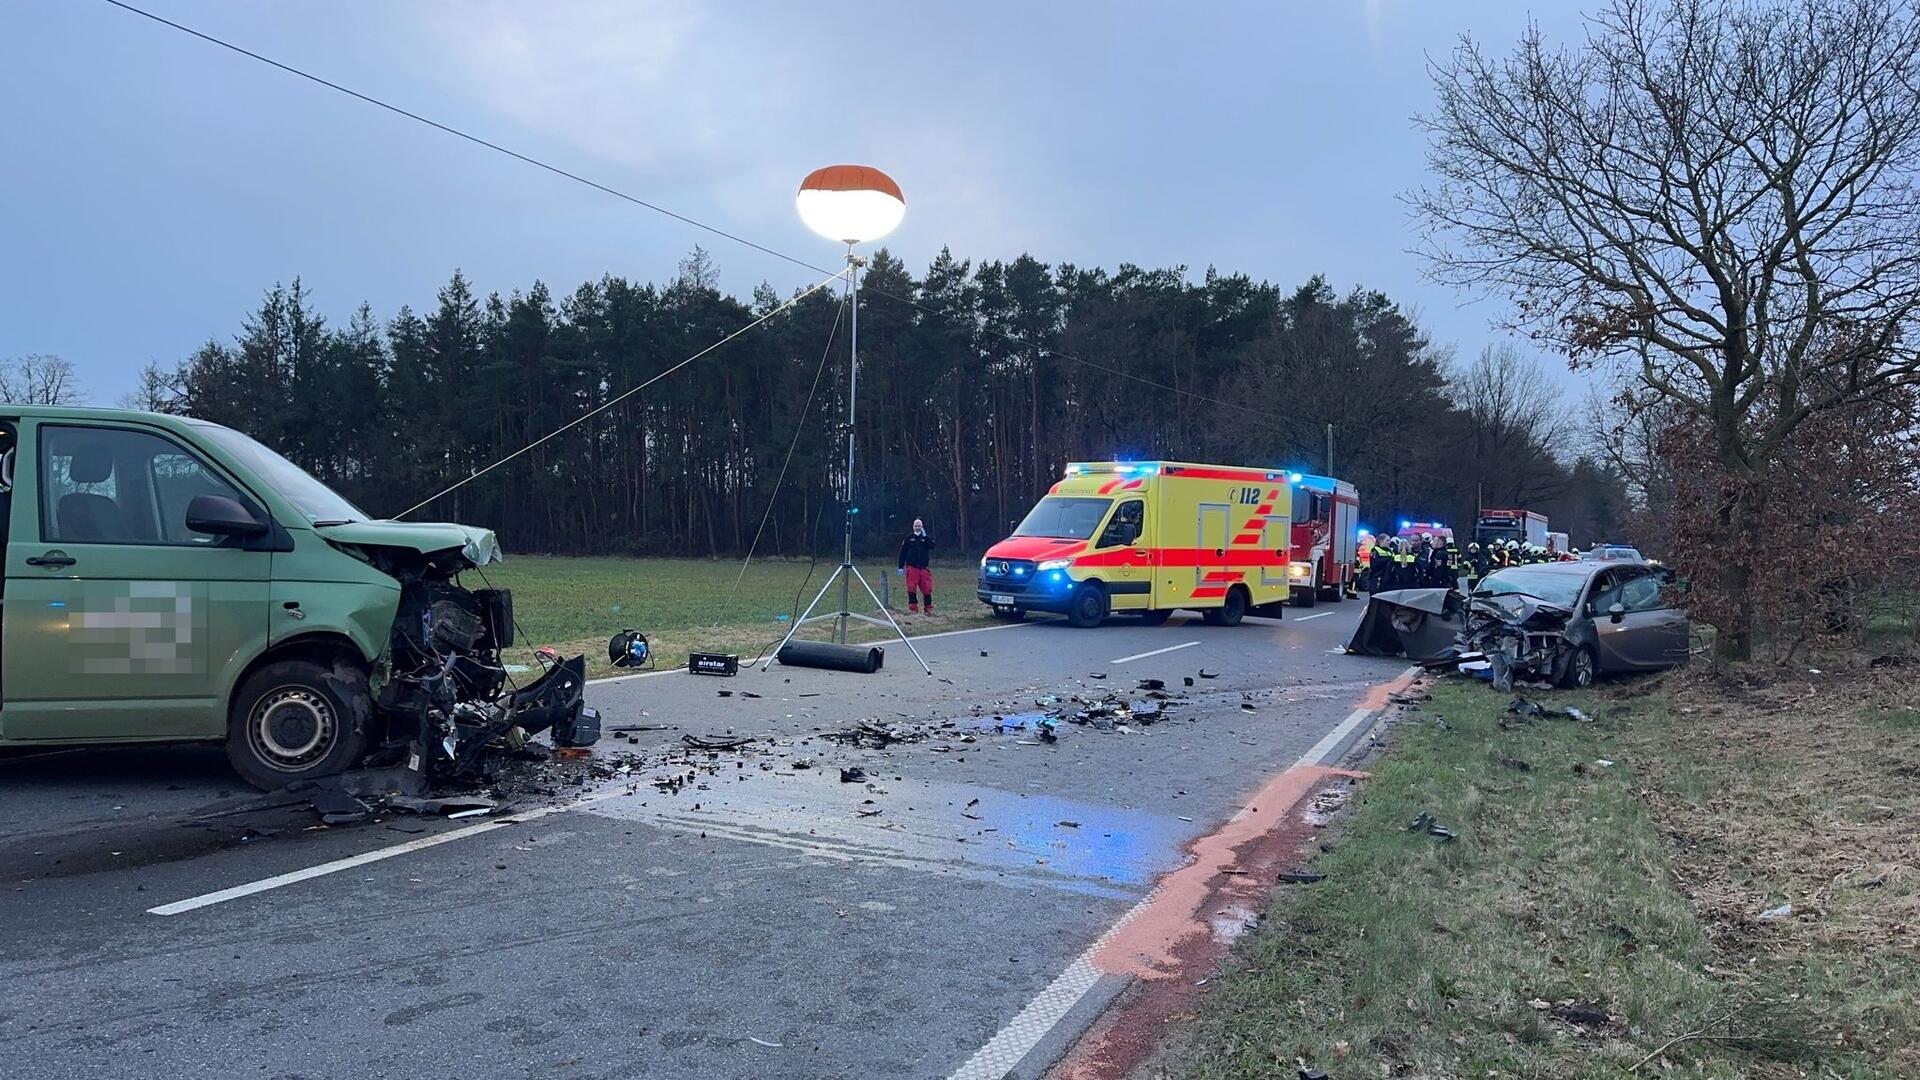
(40, 379)
(1510, 418)
(159, 390)
(1717, 193)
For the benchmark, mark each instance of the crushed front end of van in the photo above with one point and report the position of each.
(441, 695)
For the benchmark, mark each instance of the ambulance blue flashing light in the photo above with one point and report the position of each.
(1405, 524)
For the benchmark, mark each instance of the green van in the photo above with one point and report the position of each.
(171, 579)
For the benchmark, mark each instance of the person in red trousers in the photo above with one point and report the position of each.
(916, 558)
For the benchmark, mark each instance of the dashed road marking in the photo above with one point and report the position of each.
(1321, 615)
(1155, 652)
(221, 896)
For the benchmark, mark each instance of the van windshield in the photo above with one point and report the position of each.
(1064, 517)
(321, 504)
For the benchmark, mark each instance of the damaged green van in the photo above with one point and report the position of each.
(172, 579)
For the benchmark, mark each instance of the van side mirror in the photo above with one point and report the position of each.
(218, 515)
(1617, 612)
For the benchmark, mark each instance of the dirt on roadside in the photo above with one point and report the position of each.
(1789, 799)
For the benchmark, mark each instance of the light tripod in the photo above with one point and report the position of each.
(847, 573)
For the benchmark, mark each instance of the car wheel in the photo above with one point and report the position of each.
(1578, 669)
(1010, 614)
(1232, 611)
(1088, 606)
(298, 720)
(1156, 617)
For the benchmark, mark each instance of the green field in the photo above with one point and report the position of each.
(576, 604)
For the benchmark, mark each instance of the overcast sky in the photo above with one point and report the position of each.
(152, 186)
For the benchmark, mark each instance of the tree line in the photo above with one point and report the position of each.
(978, 382)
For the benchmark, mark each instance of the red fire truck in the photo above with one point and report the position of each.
(1325, 541)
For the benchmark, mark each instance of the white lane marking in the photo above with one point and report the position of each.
(1012, 1043)
(295, 876)
(915, 637)
(1156, 652)
(1321, 615)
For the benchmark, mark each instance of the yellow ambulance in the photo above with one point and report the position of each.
(1145, 538)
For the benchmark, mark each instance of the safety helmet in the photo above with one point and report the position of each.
(1513, 545)
(1475, 546)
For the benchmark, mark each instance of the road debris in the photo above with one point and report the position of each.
(853, 775)
(1425, 822)
(1784, 911)
(725, 742)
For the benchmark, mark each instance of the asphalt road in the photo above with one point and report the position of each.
(764, 920)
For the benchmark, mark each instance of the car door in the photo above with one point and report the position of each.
(121, 622)
(1643, 634)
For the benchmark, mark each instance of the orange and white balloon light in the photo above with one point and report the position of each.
(854, 204)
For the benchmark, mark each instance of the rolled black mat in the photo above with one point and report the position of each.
(865, 659)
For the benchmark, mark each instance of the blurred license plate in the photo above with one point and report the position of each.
(1001, 599)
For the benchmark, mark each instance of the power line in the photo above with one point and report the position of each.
(799, 427)
(1266, 414)
(459, 134)
(603, 407)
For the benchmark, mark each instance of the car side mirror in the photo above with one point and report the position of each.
(218, 515)
(1617, 612)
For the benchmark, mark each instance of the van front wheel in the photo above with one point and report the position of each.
(298, 720)
(1088, 607)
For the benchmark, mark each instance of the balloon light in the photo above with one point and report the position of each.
(854, 204)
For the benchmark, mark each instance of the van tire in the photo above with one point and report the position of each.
(298, 720)
(1230, 612)
(1088, 607)
(1156, 617)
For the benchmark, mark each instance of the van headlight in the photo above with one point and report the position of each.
(1054, 564)
(983, 562)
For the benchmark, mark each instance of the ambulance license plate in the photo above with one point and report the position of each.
(1001, 599)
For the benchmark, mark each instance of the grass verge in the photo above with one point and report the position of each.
(1593, 919)
(576, 604)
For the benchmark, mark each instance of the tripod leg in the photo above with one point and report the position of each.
(888, 615)
(804, 616)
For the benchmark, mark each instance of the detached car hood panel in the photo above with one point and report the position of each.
(478, 546)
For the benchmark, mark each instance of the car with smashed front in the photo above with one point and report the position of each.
(168, 579)
(1569, 622)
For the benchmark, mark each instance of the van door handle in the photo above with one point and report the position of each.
(52, 558)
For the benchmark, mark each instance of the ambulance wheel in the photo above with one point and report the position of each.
(1231, 612)
(1010, 614)
(298, 720)
(1157, 617)
(1088, 607)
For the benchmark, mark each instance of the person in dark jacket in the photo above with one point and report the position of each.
(916, 556)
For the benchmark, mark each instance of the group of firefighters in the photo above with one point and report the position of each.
(1433, 561)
